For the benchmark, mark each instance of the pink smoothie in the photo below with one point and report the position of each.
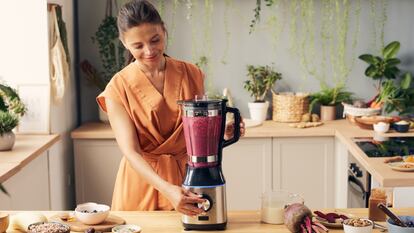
(202, 135)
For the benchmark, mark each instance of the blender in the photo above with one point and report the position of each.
(204, 122)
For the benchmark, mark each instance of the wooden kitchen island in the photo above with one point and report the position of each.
(238, 221)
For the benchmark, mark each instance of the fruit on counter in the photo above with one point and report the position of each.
(298, 218)
(331, 217)
(315, 118)
(306, 117)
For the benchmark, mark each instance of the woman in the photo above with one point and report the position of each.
(141, 102)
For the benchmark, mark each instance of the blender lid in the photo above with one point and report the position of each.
(202, 103)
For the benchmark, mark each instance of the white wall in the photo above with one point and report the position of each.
(24, 59)
(256, 48)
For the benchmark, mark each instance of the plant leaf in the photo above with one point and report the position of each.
(406, 81)
(3, 189)
(371, 71)
(368, 59)
(391, 50)
(392, 62)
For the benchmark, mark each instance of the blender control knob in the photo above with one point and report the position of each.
(206, 205)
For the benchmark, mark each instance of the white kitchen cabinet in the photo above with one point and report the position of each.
(29, 188)
(305, 165)
(247, 169)
(96, 166)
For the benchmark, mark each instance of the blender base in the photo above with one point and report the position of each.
(205, 227)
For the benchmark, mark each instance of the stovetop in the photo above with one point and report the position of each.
(388, 147)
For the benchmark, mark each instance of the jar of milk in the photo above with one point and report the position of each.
(274, 203)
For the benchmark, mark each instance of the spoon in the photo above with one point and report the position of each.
(390, 214)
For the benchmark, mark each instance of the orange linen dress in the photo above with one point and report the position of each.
(159, 127)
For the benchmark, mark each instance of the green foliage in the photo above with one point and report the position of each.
(111, 50)
(256, 11)
(330, 96)
(11, 108)
(10, 101)
(261, 80)
(395, 92)
(385, 66)
(7, 122)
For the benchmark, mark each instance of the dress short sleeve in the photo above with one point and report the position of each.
(112, 91)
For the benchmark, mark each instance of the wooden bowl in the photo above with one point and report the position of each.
(4, 222)
(368, 122)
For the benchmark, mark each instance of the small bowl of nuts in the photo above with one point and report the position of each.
(91, 213)
(358, 225)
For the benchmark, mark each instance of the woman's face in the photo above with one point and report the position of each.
(146, 43)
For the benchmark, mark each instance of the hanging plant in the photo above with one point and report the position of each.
(378, 23)
(111, 51)
(173, 26)
(256, 11)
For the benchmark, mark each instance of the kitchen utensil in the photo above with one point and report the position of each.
(204, 124)
(105, 226)
(390, 214)
(393, 228)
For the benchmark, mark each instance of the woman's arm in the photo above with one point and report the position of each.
(126, 136)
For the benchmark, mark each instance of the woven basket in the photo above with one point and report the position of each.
(289, 107)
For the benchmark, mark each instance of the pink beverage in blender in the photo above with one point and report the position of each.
(202, 135)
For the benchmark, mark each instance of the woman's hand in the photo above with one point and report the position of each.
(184, 201)
(229, 131)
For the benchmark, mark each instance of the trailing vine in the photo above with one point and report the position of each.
(175, 5)
(161, 8)
(256, 11)
(378, 22)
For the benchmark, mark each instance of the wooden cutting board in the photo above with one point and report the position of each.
(111, 221)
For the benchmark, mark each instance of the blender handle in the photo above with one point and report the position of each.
(237, 120)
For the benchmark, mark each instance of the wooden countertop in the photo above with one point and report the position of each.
(26, 149)
(240, 221)
(340, 129)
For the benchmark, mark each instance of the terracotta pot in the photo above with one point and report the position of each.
(7, 141)
(328, 113)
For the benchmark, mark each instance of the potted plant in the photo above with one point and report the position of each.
(329, 98)
(11, 109)
(261, 80)
(111, 53)
(394, 92)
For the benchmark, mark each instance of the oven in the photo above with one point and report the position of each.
(359, 184)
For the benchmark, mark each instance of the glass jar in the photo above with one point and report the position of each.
(274, 204)
(378, 195)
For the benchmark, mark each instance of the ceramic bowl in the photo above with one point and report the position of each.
(381, 127)
(392, 228)
(4, 222)
(91, 213)
(50, 227)
(128, 228)
(353, 229)
(402, 128)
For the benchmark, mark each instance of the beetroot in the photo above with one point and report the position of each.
(298, 219)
